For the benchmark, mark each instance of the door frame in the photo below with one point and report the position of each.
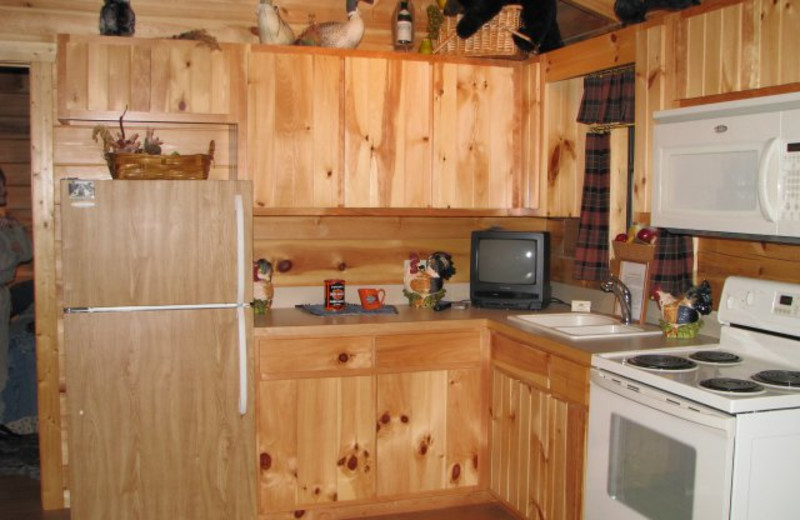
(39, 58)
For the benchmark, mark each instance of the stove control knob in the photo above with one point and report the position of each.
(731, 302)
(750, 299)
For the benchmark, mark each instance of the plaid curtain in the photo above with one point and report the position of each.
(591, 253)
(672, 267)
(608, 98)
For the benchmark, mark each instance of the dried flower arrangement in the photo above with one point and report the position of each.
(129, 158)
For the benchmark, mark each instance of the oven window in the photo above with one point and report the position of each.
(649, 472)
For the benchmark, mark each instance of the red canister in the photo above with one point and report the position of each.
(334, 295)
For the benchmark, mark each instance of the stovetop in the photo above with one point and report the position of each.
(760, 333)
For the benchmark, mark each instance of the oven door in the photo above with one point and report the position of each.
(654, 456)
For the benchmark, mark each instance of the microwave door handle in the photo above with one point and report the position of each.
(764, 199)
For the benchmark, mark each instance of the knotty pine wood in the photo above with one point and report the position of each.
(478, 512)
(388, 433)
(370, 250)
(740, 46)
(537, 437)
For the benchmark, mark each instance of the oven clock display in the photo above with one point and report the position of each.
(787, 305)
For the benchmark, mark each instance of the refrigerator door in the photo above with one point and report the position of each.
(154, 243)
(153, 413)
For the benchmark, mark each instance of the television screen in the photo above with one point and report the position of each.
(507, 261)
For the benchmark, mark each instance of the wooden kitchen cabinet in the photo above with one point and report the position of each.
(332, 129)
(430, 431)
(477, 136)
(315, 421)
(539, 416)
(372, 417)
(156, 79)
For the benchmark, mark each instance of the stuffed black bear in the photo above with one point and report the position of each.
(538, 21)
(634, 11)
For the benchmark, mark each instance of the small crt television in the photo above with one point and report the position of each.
(510, 269)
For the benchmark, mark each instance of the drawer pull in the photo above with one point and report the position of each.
(344, 357)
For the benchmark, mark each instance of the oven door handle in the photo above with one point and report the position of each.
(662, 401)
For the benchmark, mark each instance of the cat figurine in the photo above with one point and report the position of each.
(117, 18)
(634, 11)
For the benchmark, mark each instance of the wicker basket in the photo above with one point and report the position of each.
(140, 166)
(494, 39)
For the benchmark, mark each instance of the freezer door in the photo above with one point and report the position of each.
(155, 430)
(127, 243)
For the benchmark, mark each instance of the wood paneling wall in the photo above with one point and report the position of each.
(735, 47)
(371, 250)
(15, 149)
(231, 21)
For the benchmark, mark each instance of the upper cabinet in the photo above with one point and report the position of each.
(155, 79)
(331, 129)
(744, 46)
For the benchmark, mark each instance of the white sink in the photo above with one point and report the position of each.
(585, 325)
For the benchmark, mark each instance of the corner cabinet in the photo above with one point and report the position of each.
(538, 429)
(367, 418)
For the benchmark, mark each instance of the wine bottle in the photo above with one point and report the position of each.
(404, 26)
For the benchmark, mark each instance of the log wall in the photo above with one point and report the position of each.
(15, 151)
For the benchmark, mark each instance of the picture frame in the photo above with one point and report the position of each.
(631, 264)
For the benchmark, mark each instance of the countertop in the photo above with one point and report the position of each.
(287, 322)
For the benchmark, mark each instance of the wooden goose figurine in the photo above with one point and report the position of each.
(342, 35)
(271, 27)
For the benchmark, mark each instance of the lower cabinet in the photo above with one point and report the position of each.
(373, 417)
(538, 430)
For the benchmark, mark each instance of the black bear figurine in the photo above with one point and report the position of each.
(538, 19)
(634, 11)
(117, 18)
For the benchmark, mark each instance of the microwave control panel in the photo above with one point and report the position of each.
(790, 203)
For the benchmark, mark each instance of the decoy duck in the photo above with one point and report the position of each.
(271, 27)
(342, 35)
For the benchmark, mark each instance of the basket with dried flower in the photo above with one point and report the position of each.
(128, 158)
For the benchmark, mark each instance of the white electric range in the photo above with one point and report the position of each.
(703, 432)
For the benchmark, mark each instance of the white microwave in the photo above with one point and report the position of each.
(729, 169)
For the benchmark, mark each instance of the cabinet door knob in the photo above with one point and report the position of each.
(344, 357)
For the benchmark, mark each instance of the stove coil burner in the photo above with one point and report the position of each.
(730, 385)
(786, 379)
(662, 362)
(715, 357)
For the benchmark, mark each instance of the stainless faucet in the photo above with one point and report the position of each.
(623, 294)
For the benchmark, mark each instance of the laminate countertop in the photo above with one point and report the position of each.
(289, 322)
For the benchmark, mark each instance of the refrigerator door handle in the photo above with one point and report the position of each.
(240, 256)
(240, 275)
(242, 362)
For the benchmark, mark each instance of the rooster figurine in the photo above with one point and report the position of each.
(341, 35)
(271, 27)
(263, 292)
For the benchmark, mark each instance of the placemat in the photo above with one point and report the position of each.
(350, 309)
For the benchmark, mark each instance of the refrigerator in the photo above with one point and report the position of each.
(158, 349)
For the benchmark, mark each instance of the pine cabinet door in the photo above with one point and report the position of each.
(387, 133)
(477, 131)
(316, 441)
(155, 79)
(295, 129)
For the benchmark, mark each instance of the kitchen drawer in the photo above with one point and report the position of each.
(435, 350)
(524, 361)
(569, 380)
(315, 354)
